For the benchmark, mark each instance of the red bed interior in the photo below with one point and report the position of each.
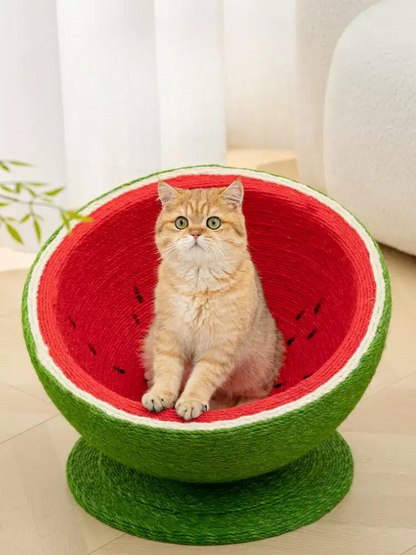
(95, 296)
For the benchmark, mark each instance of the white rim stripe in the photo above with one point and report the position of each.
(46, 360)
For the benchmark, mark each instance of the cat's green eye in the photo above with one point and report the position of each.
(213, 222)
(181, 222)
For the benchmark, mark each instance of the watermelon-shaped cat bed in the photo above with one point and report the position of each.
(232, 475)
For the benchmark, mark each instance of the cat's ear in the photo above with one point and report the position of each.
(166, 193)
(234, 194)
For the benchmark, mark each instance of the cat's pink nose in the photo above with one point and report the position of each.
(196, 235)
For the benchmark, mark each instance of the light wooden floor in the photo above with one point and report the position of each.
(378, 517)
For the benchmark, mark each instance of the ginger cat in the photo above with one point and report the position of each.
(213, 334)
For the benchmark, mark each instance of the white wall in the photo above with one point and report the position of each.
(30, 100)
(260, 65)
(189, 38)
(109, 83)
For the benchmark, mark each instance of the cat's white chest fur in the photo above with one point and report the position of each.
(195, 311)
(198, 314)
(197, 321)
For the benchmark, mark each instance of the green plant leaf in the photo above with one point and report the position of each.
(24, 219)
(6, 188)
(14, 233)
(37, 230)
(4, 166)
(17, 163)
(54, 192)
(18, 187)
(65, 221)
(11, 219)
(2, 204)
(80, 217)
(29, 190)
(37, 184)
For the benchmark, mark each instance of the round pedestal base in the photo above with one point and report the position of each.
(209, 514)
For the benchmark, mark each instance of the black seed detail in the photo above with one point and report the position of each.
(277, 385)
(91, 348)
(299, 316)
(73, 324)
(312, 334)
(306, 377)
(136, 318)
(317, 308)
(120, 370)
(137, 293)
(290, 341)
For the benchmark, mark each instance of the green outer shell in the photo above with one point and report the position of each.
(217, 455)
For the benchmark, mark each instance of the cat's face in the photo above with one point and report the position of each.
(201, 226)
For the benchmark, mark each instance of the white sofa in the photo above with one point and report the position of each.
(357, 109)
(319, 24)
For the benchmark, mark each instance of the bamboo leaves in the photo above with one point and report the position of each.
(34, 195)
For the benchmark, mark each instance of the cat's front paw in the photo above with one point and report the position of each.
(156, 401)
(188, 409)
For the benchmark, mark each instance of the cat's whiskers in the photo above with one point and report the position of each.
(169, 252)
